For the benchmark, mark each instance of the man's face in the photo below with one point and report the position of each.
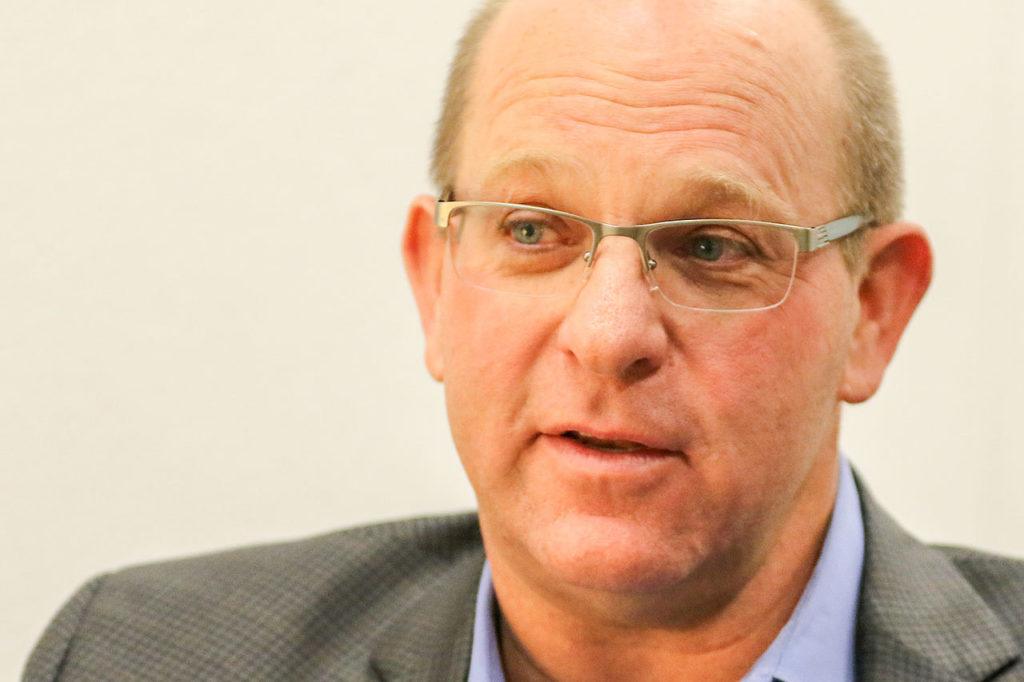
(635, 112)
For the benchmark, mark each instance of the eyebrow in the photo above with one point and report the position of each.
(699, 191)
(706, 190)
(547, 166)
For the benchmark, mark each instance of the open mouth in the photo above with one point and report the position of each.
(624, 446)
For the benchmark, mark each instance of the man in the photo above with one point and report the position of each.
(648, 415)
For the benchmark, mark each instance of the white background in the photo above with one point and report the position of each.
(205, 334)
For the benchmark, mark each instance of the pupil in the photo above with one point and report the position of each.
(527, 233)
(707, 248)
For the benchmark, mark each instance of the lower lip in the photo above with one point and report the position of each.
(602, 461)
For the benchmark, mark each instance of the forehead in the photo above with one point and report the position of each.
(625, 98)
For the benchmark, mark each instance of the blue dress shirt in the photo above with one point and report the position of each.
(817, 643)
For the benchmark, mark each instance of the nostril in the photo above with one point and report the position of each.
(639, 370)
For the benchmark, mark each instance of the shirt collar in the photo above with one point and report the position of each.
(484, 659)
(817, 643)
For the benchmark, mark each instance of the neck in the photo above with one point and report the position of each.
(687, 632)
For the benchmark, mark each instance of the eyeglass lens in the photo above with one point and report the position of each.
(705, 265)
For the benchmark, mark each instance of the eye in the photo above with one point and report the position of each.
(527, 232)
(707, 248)
(525, 228)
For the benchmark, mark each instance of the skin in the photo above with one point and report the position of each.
(684, 564)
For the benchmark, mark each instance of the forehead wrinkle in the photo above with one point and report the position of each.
(667, 52)
(748, 98)
(727, 128)
(654, 129)
(741, 86)
(700, 191)
(694, 111)
(739, 89)
(548, 86)
(542, 170)
(679, 40)
(751, 83)
(668, 56)
(751, 94)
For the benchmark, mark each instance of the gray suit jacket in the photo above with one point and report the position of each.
(396, 602)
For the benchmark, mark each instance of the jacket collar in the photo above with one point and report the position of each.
(918, 618)
(431, 638)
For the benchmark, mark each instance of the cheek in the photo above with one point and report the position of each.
(491, 344)
(767, 386)
(768, 363)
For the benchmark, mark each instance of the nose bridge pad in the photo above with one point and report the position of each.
(647, 260)
(589, 257)
(649, 265)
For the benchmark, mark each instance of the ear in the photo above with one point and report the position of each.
(423, 253)
(896, 275)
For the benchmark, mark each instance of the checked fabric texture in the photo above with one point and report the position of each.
(395, 602)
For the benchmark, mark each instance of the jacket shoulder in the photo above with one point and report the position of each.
(999, 580)
(263, 612)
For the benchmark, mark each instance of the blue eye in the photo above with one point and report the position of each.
(707, 248)
(527, 232)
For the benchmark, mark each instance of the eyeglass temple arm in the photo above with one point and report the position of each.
(815, 238)
(441, 212)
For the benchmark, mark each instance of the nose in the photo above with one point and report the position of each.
(615, 326)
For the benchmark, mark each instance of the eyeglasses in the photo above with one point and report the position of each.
(706, 264)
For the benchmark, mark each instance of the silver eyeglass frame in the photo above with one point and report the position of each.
(808, 239)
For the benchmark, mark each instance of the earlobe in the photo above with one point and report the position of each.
(423, 254)
(895, 279)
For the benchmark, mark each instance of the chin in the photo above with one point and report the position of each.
(615, 555)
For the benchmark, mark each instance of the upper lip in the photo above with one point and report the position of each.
(643, 440)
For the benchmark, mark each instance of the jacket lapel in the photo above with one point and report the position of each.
(432, 638)
(919, 619)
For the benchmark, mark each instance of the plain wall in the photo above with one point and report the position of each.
(207, 339)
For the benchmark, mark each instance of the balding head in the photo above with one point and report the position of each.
(864, 142)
